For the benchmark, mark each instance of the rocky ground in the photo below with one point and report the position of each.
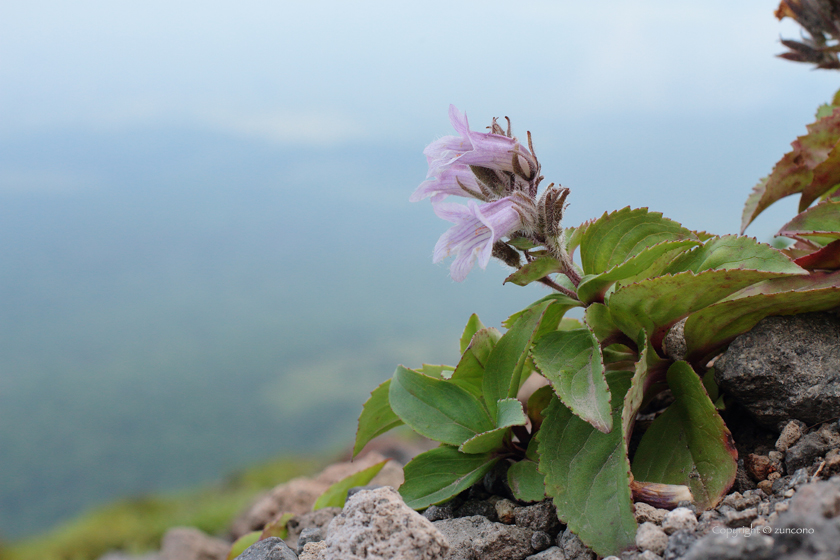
(784, 377)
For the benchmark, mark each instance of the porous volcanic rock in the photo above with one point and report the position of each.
(785, 368)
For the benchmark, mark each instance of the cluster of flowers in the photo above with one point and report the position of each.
(496, 170)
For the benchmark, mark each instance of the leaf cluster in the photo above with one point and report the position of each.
(659, 302)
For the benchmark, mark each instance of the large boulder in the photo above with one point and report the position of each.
(785, 368)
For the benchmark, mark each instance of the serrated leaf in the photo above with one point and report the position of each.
(826, 258)
(572, 363)
(508, 413)
(710, 330)
(588, 475)
(559, 305)
(701, 453)
(732, 252)
(438, 371)
(503, 371)
(336, 494)
(573, 236)
(437, 475)
(437, 409)
(593, 287)
(826, 176)
(823, 220)
(795, 171)
(534, 270)
(526, 482)
(614, 238)
(470, 371)
(376, 418)
(657, 304)
(474, 325)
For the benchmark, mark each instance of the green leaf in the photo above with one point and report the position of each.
(593, 287)
(437, 409)
(795, 171)
(277, 527)
(526, 482)
(588, 475)
(537, 403)
(559, 305)
(376, 418)
(658, 303)
(436, 476)
(437, 371)
(508, 413)
(614, 238)
(710, 330)
(648, 371)
(572, 363)
(470, 371)
(701, 453)
(823, 220)
(474, 325)
(522, 243)
(732, 252)
(242, 543)
(534, 270)
(336, 495)
(503, 371)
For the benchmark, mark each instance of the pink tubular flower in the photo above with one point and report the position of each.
(450, 159)
(475, 231)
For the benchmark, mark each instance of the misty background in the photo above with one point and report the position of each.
(207, 253)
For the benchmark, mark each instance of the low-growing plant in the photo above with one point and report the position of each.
(659, 303)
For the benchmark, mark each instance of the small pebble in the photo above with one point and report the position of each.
(679, 519)
(437, 513)
(504, 510)
(789, 493)
(646, 512)
(799, 478)
(540, 540)
(766, 486)
(687, 504)
(651, 537)
(790, 435)
(649, 555)
(758, 466)
(740, 518)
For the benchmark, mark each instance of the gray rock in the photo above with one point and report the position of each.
(785, 368)
(541, 540)
(477, 537)
(678, 544)
(477, 507)
(573, 547)
(312, 534)
(377, 525)
(679, 519)
(318, 519)
(645, 512)
(187, 543)
(810, 447)
(539, 517)
(436, 513)
(649, 555)
(721, 546)
(271, 548)
(651, 537)
(553, 553)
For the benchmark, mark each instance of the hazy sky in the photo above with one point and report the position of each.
(584, 77)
